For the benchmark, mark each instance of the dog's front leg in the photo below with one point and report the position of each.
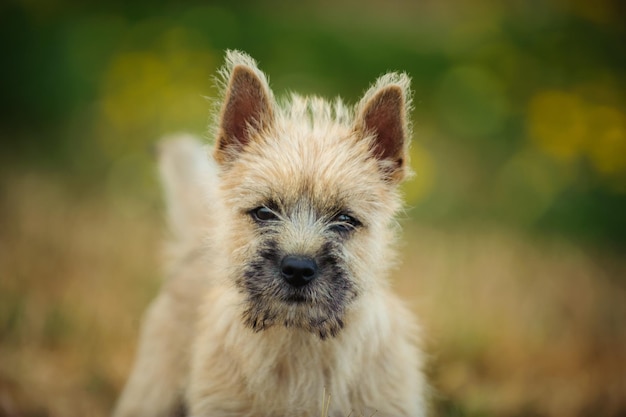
(155, 386)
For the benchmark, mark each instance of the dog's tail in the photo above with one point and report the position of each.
(188, 175)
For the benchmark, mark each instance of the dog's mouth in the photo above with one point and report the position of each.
(296, 308)
(297, 299)
(297, 296)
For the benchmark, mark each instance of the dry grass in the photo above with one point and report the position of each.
(515, 326)
(520, 326)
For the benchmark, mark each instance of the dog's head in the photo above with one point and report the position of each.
(309, 189)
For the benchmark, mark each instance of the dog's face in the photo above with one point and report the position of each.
(309, 191)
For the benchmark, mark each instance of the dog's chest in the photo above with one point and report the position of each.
(304, 375)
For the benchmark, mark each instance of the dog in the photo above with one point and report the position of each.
(276, 301)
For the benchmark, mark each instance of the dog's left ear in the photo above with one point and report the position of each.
(247, 108)
(382, 117)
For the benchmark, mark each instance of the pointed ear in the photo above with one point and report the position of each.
(382, 116)
(247, 108)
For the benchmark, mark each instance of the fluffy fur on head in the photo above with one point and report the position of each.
(380, 117)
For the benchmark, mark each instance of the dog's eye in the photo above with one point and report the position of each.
(263, 214)
(343, 223)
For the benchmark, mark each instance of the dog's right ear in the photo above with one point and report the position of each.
(247, 108)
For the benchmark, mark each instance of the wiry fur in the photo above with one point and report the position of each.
(227, 336)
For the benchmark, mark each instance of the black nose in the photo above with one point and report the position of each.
(298, 270)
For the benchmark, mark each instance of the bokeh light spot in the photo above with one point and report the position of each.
(557, 124)
(607, 140)
(154, 91)
(420, 185)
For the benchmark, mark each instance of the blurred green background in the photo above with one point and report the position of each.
(518, 208)
(519, 106)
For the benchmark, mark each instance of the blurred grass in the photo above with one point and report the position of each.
(77, 272)
(520, 325)
(515, 325)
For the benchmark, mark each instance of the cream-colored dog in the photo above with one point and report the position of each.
(277, 302)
